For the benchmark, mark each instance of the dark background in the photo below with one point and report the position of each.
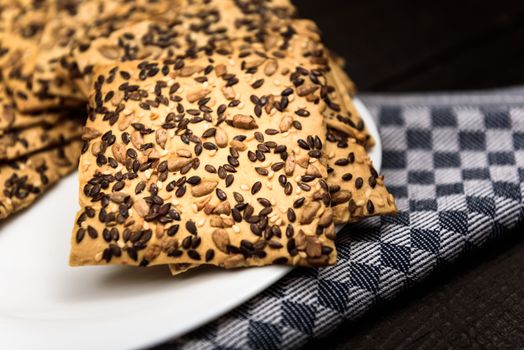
(407, 45)
(393, 46)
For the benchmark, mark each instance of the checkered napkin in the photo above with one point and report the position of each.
(455, 163)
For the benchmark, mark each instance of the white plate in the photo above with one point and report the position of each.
(45, 304)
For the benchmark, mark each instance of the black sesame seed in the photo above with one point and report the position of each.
(291, 247)
(262, 171)
(256, 187)
(347, 177)
(131, 153)
(264, 202)
(302, 113)
(326, 250)
(209, 132)
(315, 153)
(186, 242)
(342, 162)
(132, 253)
(257, 84)
(176, 253)
(229, 168)
(194, 180)
(173, 230)
(288, 189)
(303, 144)
(80, 234)
(255, 229)
(238, 197)
(92, 232)
(286, 92)
(107, 254)
(248, 211)
(193, 254)
(233, 161)
(106, 235)
(291, 216)
(191, 227)
(307, 178)
(118, 186)
(370, 207)
(304, 186)
(282, 180)
(299, 202)
(221, 194)
(236, 215)
(210, 254)
(196, 242)
(290, 231)
(181, 191)
(280, 261)
(229, 180)
(140, 187)
(210, 169)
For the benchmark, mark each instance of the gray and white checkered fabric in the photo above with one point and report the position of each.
(456, 167)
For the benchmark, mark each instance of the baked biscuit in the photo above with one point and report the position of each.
(203, 26)
(357, 190)
(18, 142)
(25, 179)
(11, 118)
(204, 160)
(17, 62)
(75, 23)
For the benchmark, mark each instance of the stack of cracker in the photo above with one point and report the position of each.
(39, 142)
(219, 132)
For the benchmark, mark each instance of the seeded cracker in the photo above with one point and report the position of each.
(75, 23)
(19, 38)
(188, 162)
(22, 181)
(23, 18)
(16, 143)
(203, 25)
(198, 25)
(67, 20)
(49, 77)
(18, 59)
(299, 43)
(11, 118)
(357, 190)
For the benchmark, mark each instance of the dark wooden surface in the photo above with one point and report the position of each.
(407, 45)
(422, 46)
